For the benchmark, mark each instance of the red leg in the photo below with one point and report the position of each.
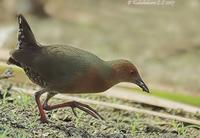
(38, 94)
(73, 104)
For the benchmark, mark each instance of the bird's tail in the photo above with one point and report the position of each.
(26, 37)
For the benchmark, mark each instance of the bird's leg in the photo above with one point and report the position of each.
(38, 94)
(73, 104)
(46, 106)
(49, 96)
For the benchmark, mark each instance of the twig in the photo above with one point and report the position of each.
(8, 73)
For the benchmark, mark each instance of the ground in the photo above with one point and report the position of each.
(19, 118)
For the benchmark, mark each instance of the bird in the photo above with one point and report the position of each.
(63, 69)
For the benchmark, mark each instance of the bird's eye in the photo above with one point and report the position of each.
(131, 72)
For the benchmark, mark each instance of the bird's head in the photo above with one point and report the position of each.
(125, 71)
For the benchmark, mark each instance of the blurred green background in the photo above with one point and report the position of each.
(163, 41)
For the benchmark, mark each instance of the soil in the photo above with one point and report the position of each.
(19, 118)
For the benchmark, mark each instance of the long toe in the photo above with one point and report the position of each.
(89, 110)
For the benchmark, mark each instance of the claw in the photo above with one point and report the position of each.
(74, 112)
(90, 110)
(87, 111)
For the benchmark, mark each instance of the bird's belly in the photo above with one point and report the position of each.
(86, 86)
(91, 81)
(79, 88)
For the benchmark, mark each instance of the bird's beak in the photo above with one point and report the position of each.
(142, 85)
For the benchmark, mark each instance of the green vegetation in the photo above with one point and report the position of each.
(177, 96)
(174, 96)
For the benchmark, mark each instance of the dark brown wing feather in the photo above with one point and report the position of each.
(60, 66)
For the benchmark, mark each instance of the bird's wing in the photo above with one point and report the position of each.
(58, 63)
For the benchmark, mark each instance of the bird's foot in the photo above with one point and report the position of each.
(73, 104)
(86, 108)
(44, 120)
